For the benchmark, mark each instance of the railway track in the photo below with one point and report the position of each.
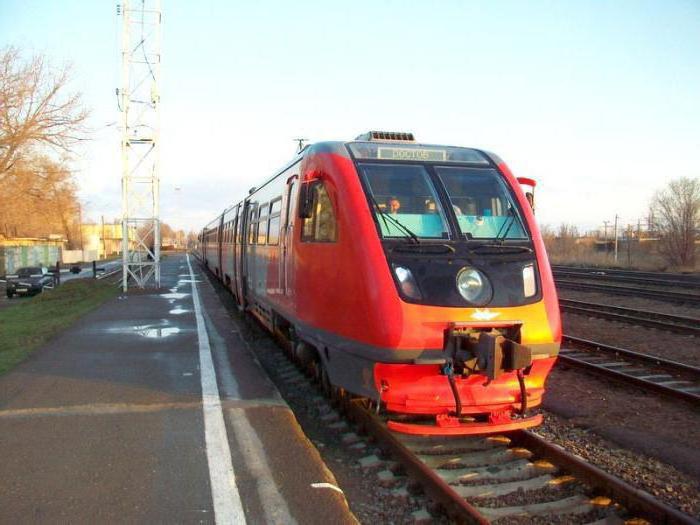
(665, 277)
(652, 373)
(519, 476)
(647, 279)
(659, 320)
(660, 295)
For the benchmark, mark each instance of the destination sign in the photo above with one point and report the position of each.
(416, 153)
(423, 154)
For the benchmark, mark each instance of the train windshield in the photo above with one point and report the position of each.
(405, 201)
(481, 202)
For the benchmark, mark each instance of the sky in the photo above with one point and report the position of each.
(597, 101)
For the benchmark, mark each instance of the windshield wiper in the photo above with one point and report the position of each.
(425, 249)
(499, 247)
(409, 234)
(509, 221)
(498, 243)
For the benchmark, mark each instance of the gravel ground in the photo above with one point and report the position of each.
(678, 347)
(640, 470)
(632, 302)
(646, 439)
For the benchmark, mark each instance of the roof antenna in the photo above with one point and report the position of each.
(300, 144)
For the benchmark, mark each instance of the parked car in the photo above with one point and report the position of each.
(29, 280)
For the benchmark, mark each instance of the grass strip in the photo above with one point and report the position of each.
(26, 326)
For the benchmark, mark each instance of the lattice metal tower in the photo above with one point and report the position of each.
(139, 103)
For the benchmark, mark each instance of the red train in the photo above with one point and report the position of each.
(411, 274)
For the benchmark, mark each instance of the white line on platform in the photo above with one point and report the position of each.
(274, 506)
(227, 500)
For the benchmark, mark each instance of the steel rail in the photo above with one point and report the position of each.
(674, 297)
(455, 506)
(635, 500)
(601, 276)
(614, 372)
(673, 323)
(662, 276)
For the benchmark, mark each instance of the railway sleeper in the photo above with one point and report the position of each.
(475, 459)
(521, 469)
(498, 490)
(452, 445)
(574, 505)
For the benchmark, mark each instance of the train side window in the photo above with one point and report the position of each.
(273, 233)
(321, 226)
(262, 227)
(252, 223)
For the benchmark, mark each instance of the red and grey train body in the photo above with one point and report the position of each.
(413, 275)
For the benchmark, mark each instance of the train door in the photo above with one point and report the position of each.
(231, 249)
(219, 246)
(286, 239)
(241, 254)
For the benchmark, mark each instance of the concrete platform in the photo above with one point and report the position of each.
(122, 418)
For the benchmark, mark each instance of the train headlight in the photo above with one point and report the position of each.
(407, 283)
(474, 286)
(529, 286)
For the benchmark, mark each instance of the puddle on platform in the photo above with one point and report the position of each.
(174, 295)
(179, 311)
(154, 333)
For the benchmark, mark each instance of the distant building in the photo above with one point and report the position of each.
(29, 251)
(104, 240)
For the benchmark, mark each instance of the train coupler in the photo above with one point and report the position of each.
(447, 425)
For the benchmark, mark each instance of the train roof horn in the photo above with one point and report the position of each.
(386, 136)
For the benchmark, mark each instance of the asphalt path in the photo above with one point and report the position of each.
(152, 409)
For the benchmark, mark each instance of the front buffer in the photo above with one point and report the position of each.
(485, 384)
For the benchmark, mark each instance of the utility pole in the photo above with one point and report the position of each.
(605, 236)
(104, 242)
(616, 217)
(139, 103)
(629, 245)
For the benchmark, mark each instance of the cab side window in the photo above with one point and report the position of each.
(321, 226)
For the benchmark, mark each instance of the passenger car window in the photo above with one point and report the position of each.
(321, 226)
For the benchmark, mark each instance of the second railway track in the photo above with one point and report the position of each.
(659, 320)
(649, 372)
(659, 295)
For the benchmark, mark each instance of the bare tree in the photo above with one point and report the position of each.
(35, 108)
(41, 198)
(677, 218)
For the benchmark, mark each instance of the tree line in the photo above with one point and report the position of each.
(41, 122)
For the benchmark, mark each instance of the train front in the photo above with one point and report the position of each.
(476, 290)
